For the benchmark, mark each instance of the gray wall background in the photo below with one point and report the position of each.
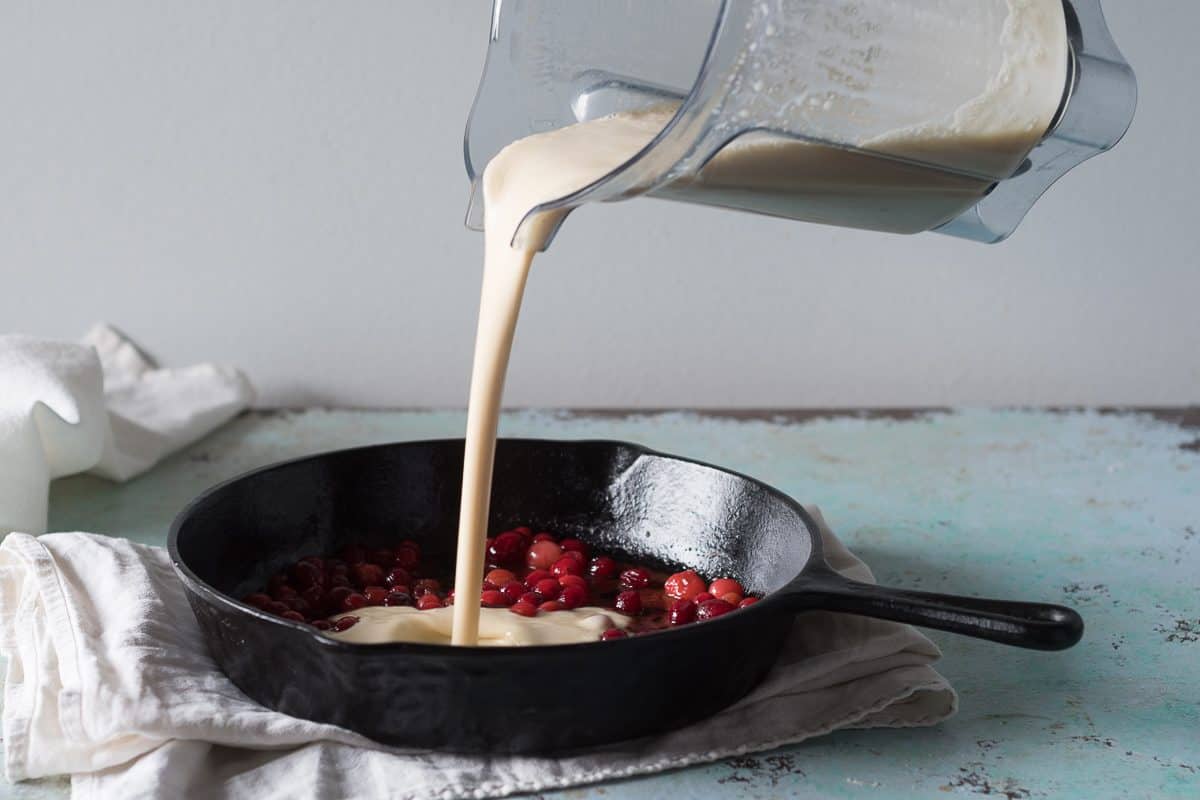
(279, 184)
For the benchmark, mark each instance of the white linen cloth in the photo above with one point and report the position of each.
(109, 680)
(100, 405)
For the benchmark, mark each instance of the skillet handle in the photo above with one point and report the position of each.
(1039, 626)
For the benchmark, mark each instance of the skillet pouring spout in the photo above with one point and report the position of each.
(1038, 626)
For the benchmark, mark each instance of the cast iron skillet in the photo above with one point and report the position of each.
(654, 508)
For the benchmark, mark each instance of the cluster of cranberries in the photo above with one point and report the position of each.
(527, 573)
(531, 573)
(315, 588)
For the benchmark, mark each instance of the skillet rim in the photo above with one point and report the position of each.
(774, 603)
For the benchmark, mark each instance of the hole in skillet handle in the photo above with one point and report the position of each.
(1038, 626)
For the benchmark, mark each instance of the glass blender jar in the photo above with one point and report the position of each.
(890, 115)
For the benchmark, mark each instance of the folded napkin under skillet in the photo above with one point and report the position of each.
(109, 681)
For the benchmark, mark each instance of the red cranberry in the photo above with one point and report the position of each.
(395, 598)
(277, 608)
(542, 555)
(749, 601)
(629, 602)
(344, 622)
(426, 586)
(316, 561)
(711, 609)
(576, 556)
(339, 579)
(353, 601)
(366, 574)
(492, 598)
(548, 589)
(304, 574)
(572, 580)
(375, 595)
(429, 601)
(726, 586)
(574, 546)
(409, 544)
(538, 575)
(512, 591)
(551, 605)
(602, 567)
(408, 557)
(545, 537)
(298, 604)
(653, 599)
(294, 616)
(567, 566)
(506, 549)
(258, 600)
(684, 585)
(613, 633)
(703, 597)
(524, 530)
(530, 599)
(498, 578)
(321, 624)
(681, 612)
(573, 596)
(524, 609)
(636, 578)
(398, 577)
(335, 596)
(283, 592)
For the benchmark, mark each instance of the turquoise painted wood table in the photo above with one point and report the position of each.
(1097, 510)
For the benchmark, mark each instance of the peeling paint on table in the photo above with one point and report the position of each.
(1098, 510)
